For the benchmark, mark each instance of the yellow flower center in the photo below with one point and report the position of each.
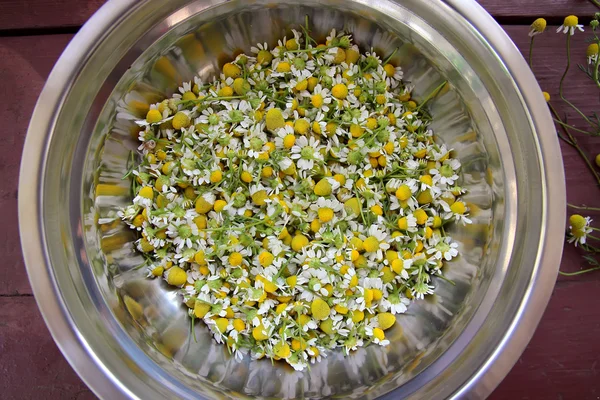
(291, 280)
(188, 96)
(239, 325)
(371, 244)
(146, 192)
(539, 25)
(300, 86)
(221, 324)
(577, 221)
(291, 44)
(284, 66)
(421, 216)
(389, 69)
(225, 91)
(180, 120)
(546, 96)
(201, 309)
(371, 123)
(231, 70)
(458, 207)
(403, 193)
(235, 259)
(339, 91)
(325, 214)
(578, 233)
(259, 333)
(316, 100)
(356, 130)
(246, 177)
(320, 309)
(378, 333)
(265, 258)
(274, 119)
(176, 276)
(216, 176)
(299, 242)
(301, 126)
(220, 205)
(571, 21)
(386, 320)
(259, 198)
(203, 206)
(323, 188)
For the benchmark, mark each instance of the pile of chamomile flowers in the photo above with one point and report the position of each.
(298, 200)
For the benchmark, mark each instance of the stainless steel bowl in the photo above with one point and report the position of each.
(129, 337)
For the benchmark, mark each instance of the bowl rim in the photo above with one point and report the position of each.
(55, 312)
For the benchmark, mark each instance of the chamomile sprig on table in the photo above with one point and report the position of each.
(580, 231)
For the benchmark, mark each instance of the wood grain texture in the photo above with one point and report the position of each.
(31, 366)
(45, 14)
(560, 362)
(39, 14)
(522, 9)
(25, 65)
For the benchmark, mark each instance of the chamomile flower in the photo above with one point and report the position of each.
(537, 27)
(320, 98)
(592, 53)
(306, 152)
(570, 24)
(445, 248)
(579, 229)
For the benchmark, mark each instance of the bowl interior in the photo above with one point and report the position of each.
(143, 322)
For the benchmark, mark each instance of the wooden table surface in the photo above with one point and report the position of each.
(562, 359)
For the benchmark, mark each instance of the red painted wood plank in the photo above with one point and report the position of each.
(562, 360)
(537, 8)
(37, 14)
(30, 363)
(26, 63)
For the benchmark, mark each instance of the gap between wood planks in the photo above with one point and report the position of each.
(58, 30)
(510, 20)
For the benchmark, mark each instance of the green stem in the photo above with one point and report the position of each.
(595, 75)
(390, 56)
(576, 145)
(314, 50)
(430, 96)
(562, 81)
(208, 98)
(276, 100)
(442, 277)
(557, 118)
(579, 272)
(596, 3)
(306, 32)
(570, 126)
(583, 207)
(531, 52)
(566, 140)
(589, 248)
